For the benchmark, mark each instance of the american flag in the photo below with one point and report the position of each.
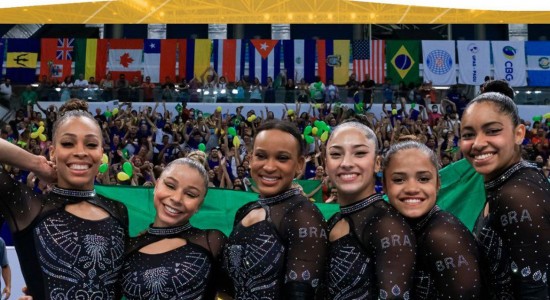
(65, 49)
(369, 57)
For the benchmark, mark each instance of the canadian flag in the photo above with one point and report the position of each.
(125, 57)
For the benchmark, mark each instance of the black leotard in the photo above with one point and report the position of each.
(376, 259)
(447, 263)
(281, 257)
(187, 272)
(515, 235)
(61, 255)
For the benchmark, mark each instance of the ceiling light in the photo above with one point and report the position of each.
(27, 3)
(526, 5)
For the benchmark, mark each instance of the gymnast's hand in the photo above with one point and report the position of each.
(45, 170)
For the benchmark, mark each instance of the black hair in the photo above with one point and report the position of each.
(503, 103)
(287, 127)
(406, 145)
(498, 86)
(72, 109)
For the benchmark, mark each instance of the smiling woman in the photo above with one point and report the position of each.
(278, 245)
(173, 259)
(513, 229)
(71, 239)
(447, 264)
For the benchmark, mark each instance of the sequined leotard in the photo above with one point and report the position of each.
(61, 255)
(375, 260)
(187, 272)
(447, 264)
(281, 257)
(515, 235)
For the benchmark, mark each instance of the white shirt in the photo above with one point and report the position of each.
(81, 83)
(5, 90)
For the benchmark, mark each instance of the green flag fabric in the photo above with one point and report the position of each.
(462, 194)
(402, 61)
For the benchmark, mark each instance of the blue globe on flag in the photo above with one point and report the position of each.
(403, 62)
(439, 62)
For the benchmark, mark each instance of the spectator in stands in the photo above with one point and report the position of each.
(136, 93)
(290, 89)
(122, 88)
(80, 83)
(317, 90)
(352, 87)
(29, 98)
(148, 88)
(367, 86)
(6, 92)
(256, 91)
(107, 84)
(269, 96)
(6, 270)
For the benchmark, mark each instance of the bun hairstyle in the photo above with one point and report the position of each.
(72, 109)
(199, 156)
(498, 86)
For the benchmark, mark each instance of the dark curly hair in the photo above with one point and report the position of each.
(72, 109)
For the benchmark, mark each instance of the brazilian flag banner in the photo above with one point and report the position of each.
(403, 60)
(462, 193)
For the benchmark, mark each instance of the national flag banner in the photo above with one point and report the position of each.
(193, 57)
(264, 59)
(333, 60)
(2, 51)
(125, 57)
(56, 57)
(439, 62)
(159, 59)
(474, 58)
(509, 62)
(299, 59)
(85, 58)
(403, 60)
(21, 60)
(228, 58)
(538, 63)
(369, 58)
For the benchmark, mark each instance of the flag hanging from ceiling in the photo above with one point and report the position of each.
(159, 59)
(333, 60)
(439, 62)
(402, 61)
(509, 62)
(475, 61)
(369, 58)
(56, 58)
(228, 58)
(125, 56)
(538, 63)
(21, 60)
(193, 57)
(299, 59)
(264, 59)
(91, 58)
(2, 51)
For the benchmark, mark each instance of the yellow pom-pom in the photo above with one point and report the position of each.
(122, 176)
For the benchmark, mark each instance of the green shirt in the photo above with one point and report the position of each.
(29, 97)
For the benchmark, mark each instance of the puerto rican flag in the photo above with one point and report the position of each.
(264, 59)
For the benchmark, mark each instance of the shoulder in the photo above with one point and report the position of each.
(115, 208)
(241, 212)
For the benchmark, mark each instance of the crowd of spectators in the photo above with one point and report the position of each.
(151, 137)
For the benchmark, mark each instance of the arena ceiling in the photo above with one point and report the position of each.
(256, 12)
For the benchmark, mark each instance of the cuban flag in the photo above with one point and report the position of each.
(264, 59)
(299, 59)
(228, 58)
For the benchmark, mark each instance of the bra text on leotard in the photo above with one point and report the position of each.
(512, 217)
(395, 240)
(448, 263)
(304, 232)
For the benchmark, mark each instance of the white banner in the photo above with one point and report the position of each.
(439, 62)
(509, 62)
(474, 58)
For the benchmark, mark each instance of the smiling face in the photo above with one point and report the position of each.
(411, 182)
(77, 152)
(351, 163)
(179, 194)
(276, 160)
(490, 141)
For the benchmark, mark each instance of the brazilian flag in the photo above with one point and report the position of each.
(402, 61)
